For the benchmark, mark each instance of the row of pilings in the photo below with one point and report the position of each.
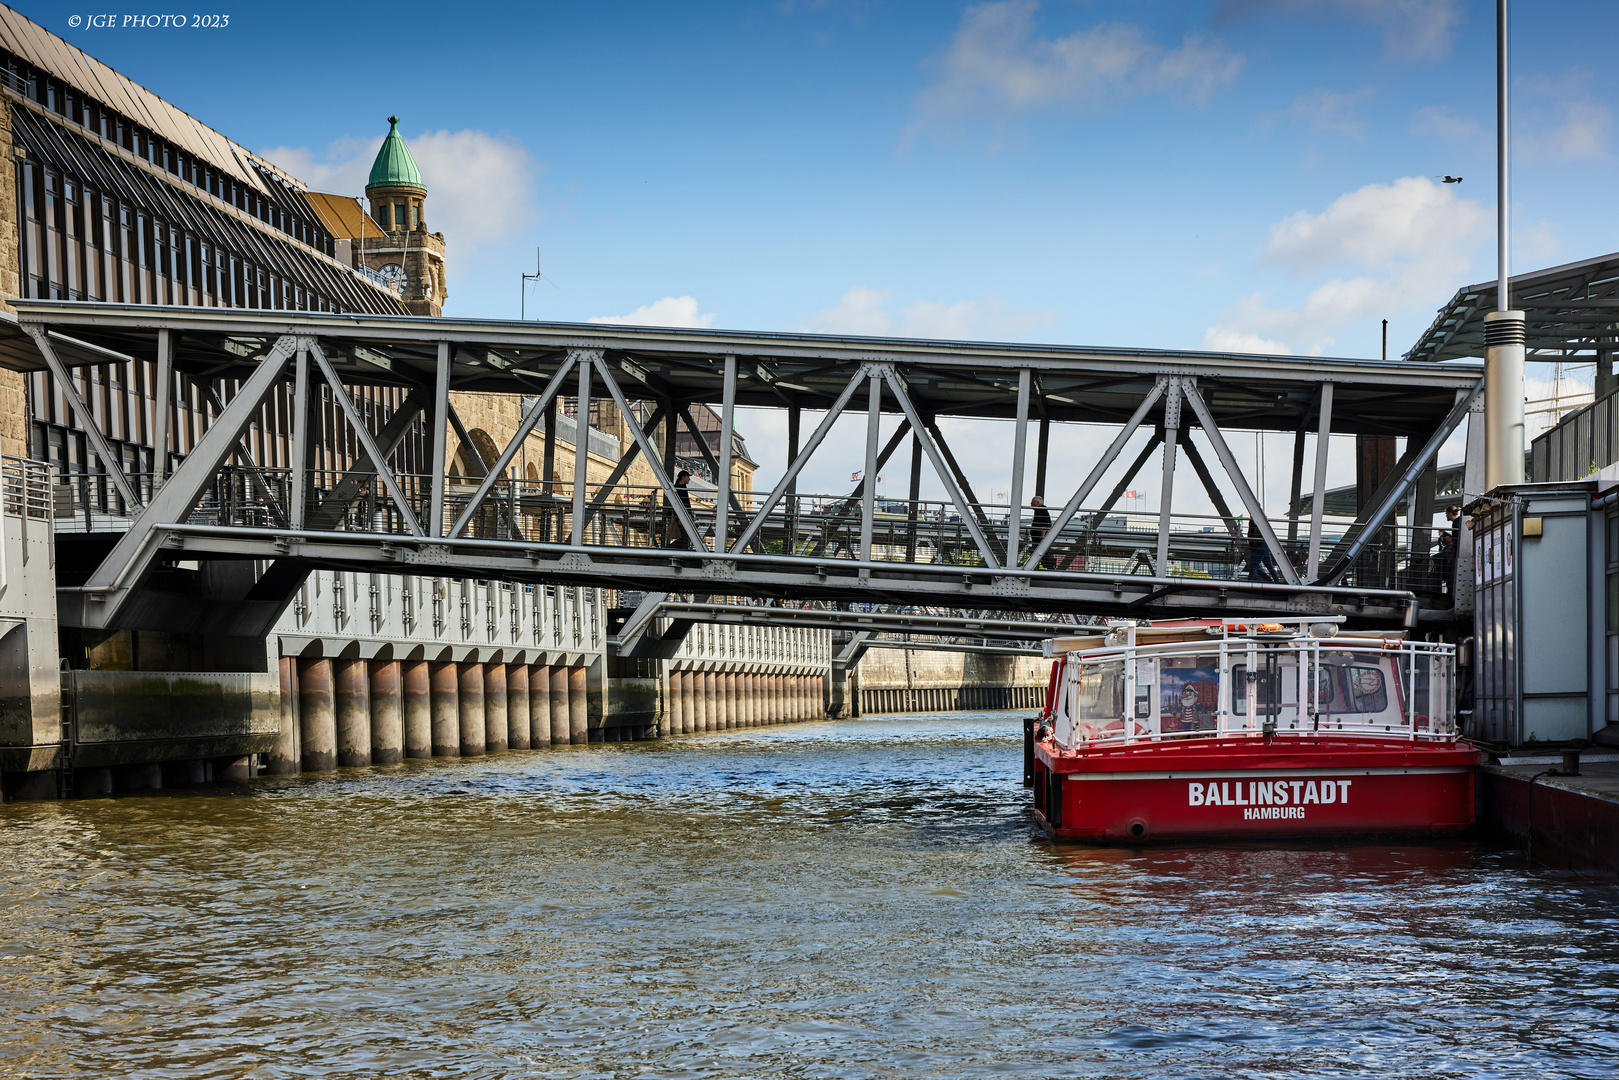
(699, 701)
(345, 712)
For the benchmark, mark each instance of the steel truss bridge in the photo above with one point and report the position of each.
(218, 505)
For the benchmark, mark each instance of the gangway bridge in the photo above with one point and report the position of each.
(133, 565)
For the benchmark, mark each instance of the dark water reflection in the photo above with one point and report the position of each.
(846, 900)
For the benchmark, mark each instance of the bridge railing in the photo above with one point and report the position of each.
(809, 526)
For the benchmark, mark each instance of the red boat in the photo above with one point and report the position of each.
(1224, 729)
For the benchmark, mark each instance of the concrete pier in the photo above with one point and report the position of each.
(688, 705)
(517, 718)
(578, 708)
(559, 706)
(494, 707)
(417, 708)
(474, 733)
(318, 719)
(539, 706)
(387, 714)
(673, 706)
(446, 709)
(352, 690)
(283, 758)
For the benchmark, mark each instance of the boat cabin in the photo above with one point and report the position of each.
(1223, 678)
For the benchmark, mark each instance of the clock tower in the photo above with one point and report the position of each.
(409, 258)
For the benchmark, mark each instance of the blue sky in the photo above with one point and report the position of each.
(1253, 174)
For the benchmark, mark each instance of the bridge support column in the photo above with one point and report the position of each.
(387, 728)
(559, 706)
(672, 706)
(446, 709)
(416, 708)
(539, 707)
(474, 733)
(578, 707)
(517, 719)
(729, 690)
(703, 696)
(495, 707)
(282, 760)
(755, 713)
(352, 681)
(773, 699)
(689, 722)
(315, 710)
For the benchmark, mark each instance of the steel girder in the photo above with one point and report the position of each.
(920, 381)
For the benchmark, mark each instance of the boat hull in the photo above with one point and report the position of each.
(1249, 789)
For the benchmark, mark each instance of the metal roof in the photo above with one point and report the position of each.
(394, 166)
(1568, 308)
(28, 40)
(953, 378)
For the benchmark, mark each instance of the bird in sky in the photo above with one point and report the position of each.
(1448, 179)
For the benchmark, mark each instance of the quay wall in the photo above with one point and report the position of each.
(1565, 822)
(921, 680)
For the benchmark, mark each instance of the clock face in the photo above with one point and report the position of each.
(395, 277)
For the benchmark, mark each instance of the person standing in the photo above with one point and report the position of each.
(676, 531)
(1039, 525)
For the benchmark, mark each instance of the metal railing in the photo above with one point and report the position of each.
(1233, 686)
(812, 527)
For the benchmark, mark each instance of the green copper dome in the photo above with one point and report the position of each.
(394, 166)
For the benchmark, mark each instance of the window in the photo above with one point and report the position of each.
(415, 211)
(399, 214)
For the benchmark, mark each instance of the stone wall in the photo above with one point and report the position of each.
(13, 388)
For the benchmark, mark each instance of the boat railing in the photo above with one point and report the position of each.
(1234, 687)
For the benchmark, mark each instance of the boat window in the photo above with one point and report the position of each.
(1269, 686)
(1367, 690)
(1101, 691)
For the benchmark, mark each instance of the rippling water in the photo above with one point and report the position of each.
(849, 899)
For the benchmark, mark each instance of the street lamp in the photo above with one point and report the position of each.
(1503, 327)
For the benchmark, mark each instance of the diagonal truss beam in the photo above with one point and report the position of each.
(86, 418)
(531, 417)
(1409, 470)
(128, 559)
(360, 474)
(960, 476)
(944, 473)
(605, 489)
(790, 477)
(644, 441)
(1228, 461)
(242, 451)
(1094, 521)
(363, 433)
(1109, 456)
(1216, 496)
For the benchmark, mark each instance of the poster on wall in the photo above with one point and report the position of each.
(1188, 698)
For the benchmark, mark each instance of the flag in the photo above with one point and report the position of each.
(1132, 494)
(854, 478)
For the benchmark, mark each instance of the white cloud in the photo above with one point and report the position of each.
(875, 313)
(480, 187)
(1412, 219)
(1439, 120)
(1327, 110)
(1412, 29)
(1397, 248)
(1576, 131)
(670, 311)
(997, 66)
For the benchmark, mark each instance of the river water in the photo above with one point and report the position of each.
(852, 899)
